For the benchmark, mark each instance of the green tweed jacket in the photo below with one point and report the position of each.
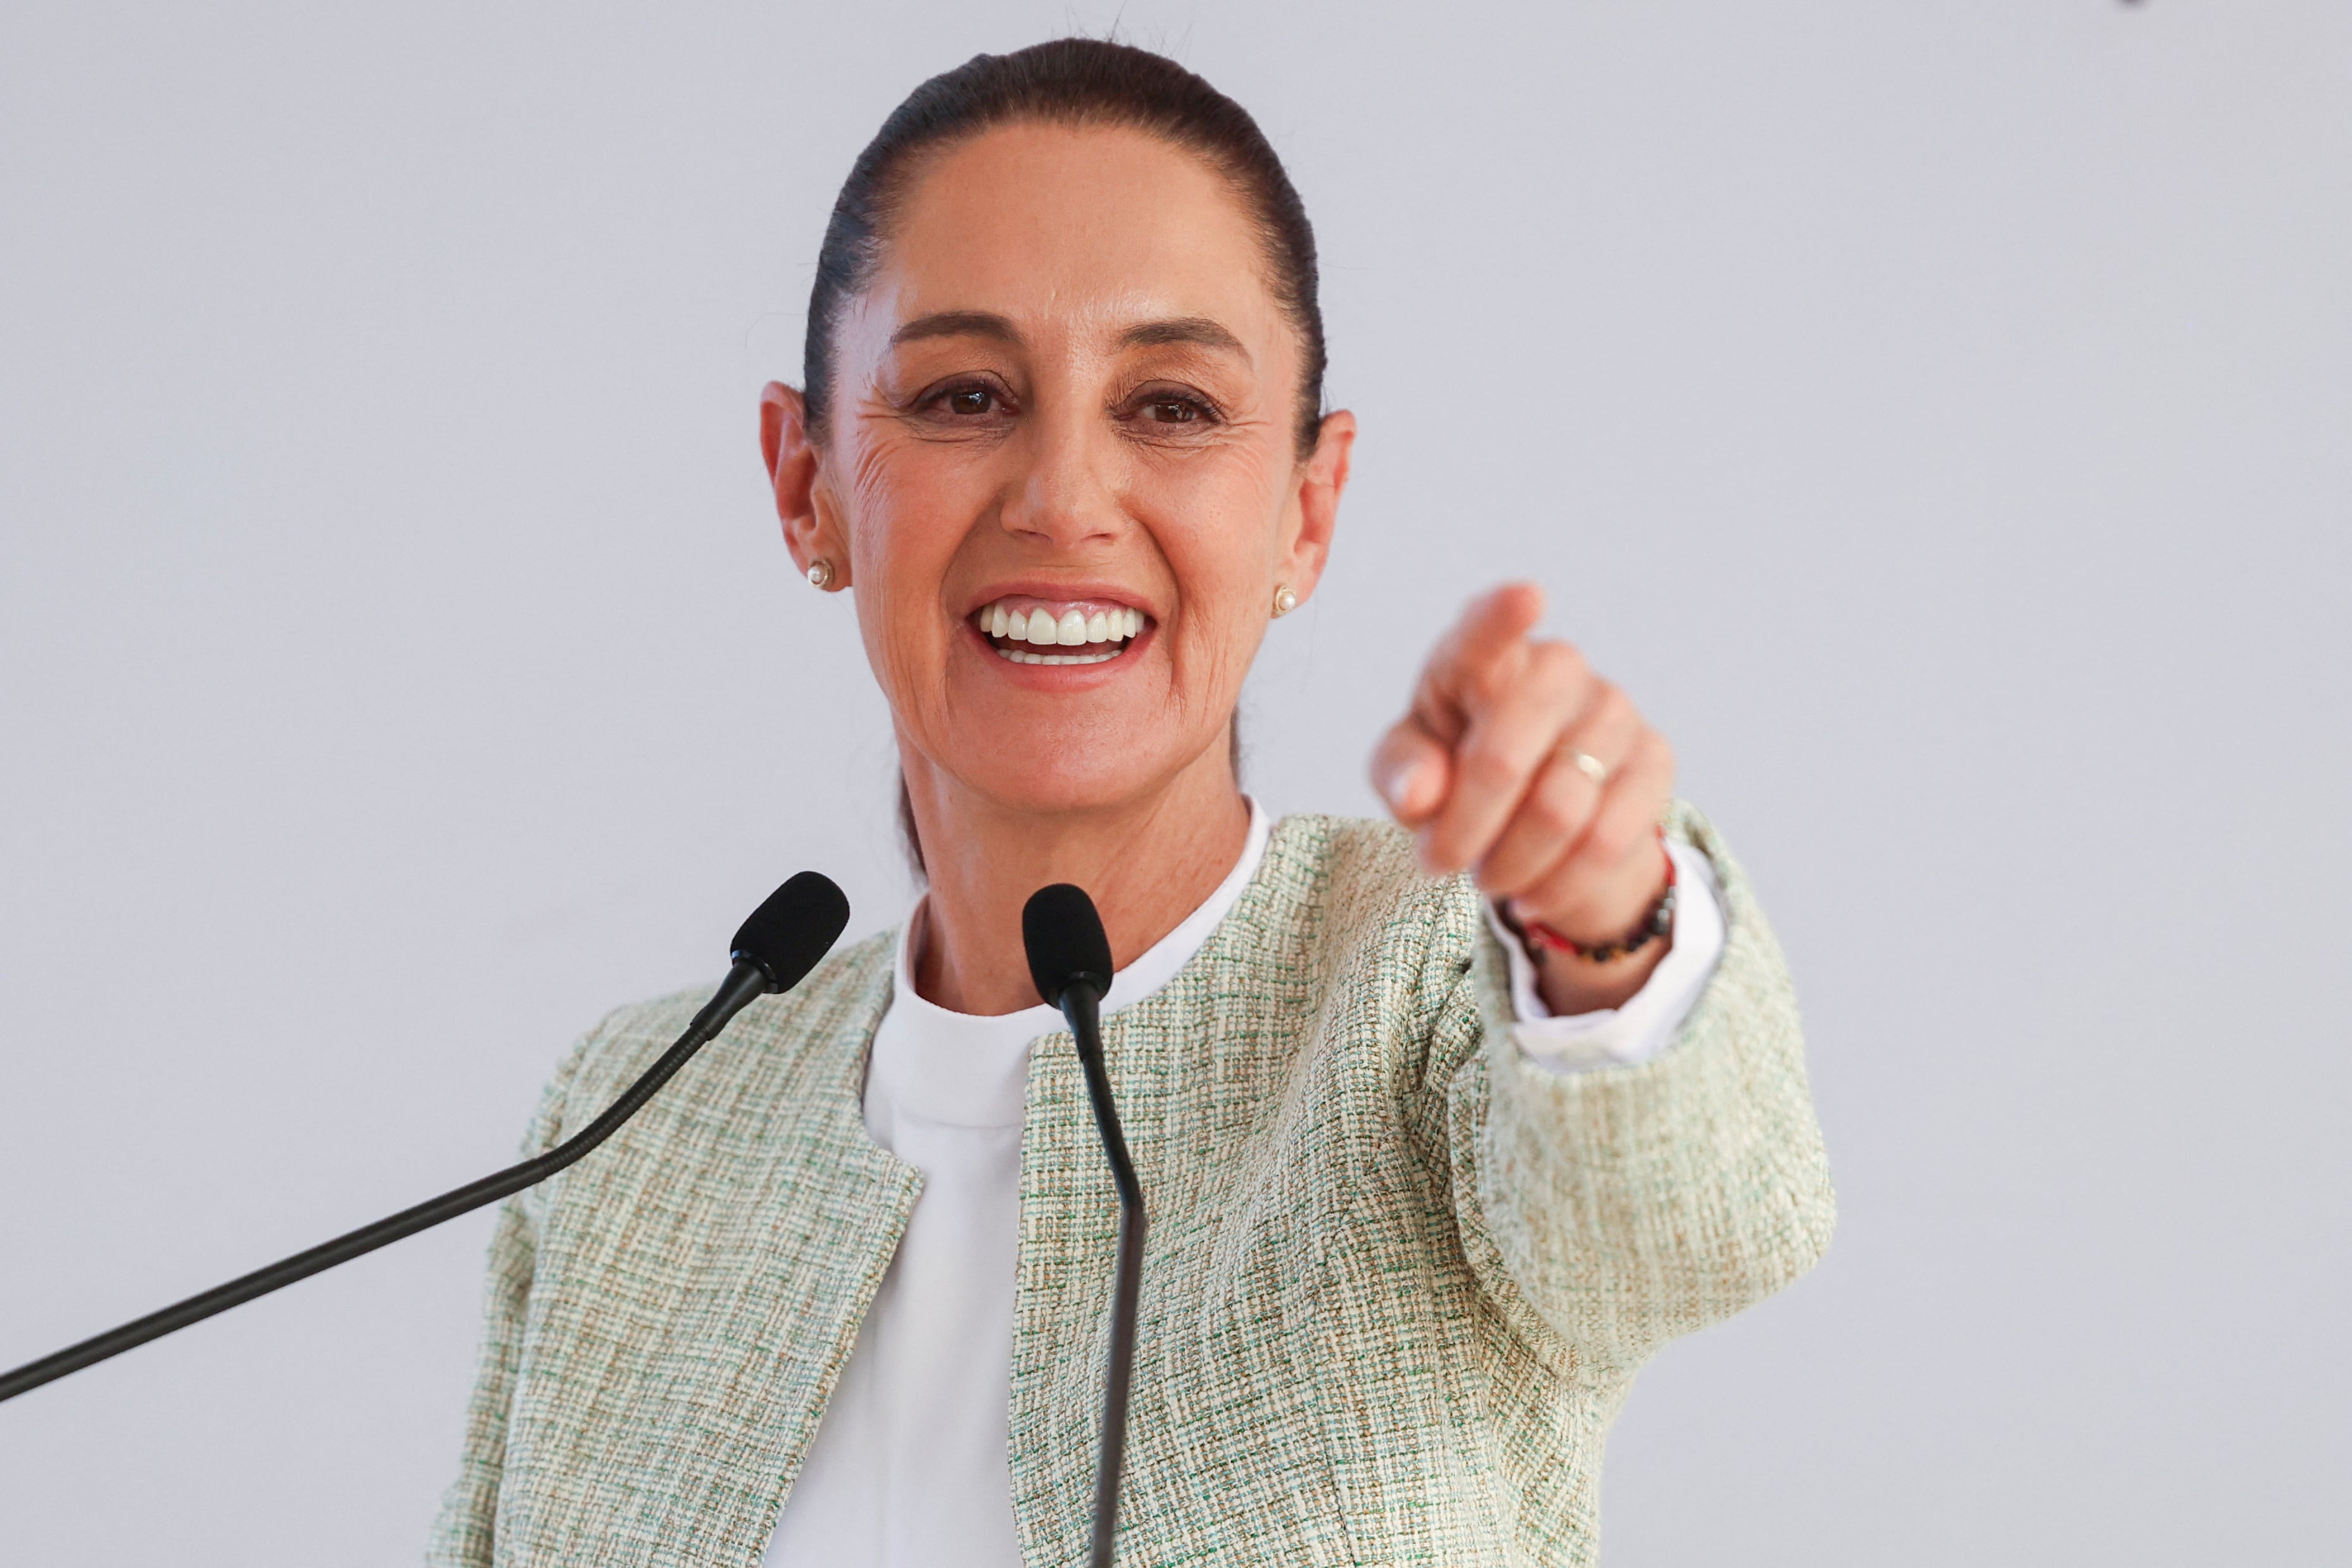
(1399, 1279)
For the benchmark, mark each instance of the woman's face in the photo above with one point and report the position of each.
(1062, 465)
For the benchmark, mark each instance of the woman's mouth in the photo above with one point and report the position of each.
(1050, 631)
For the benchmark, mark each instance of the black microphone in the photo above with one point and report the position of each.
(1069, 960)
(776, 947)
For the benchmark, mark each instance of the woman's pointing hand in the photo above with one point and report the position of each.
(1516, 760)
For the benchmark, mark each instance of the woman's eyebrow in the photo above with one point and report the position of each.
(956, 324)
(1196, 330)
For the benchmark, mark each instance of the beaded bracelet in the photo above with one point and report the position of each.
(1656, 923)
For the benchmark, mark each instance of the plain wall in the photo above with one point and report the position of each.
(1935, 415)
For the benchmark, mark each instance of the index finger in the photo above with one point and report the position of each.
(1493, 626)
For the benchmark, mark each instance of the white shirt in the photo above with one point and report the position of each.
(909, 1468)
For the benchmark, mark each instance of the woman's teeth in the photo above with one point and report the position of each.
(1111, 626)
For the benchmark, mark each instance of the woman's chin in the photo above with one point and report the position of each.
(1056, 770)
(1061, 738)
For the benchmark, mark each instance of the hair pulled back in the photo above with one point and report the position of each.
(1077, 82)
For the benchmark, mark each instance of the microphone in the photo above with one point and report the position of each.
(775, 949)
(1069, 960)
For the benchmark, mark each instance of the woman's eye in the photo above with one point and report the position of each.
(971, 400)
(1172, 411)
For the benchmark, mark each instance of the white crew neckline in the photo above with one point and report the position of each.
(970, 1069)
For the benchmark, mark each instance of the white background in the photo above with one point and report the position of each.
(1939, 415)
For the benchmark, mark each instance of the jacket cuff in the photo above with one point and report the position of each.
(1648, 1021)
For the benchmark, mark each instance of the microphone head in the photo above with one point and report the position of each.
(798, 925)
(1065, 942)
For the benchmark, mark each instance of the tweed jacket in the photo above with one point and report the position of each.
(1398, 1277)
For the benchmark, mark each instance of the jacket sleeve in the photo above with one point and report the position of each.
(1607, 1211)
(465, 1531)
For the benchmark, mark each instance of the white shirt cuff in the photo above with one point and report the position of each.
(1648, 1021)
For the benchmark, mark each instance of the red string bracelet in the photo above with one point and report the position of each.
(1656, 923)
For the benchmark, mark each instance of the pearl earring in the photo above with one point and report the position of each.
(820, 573)
(1284, 601)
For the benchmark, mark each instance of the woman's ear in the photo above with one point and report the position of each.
(812, 530)
(1314, 509)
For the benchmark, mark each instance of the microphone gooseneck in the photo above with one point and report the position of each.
(1069, 960)
(775, 949)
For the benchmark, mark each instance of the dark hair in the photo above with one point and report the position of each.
(1071, 82)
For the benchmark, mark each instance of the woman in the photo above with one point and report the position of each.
(1442, 1132)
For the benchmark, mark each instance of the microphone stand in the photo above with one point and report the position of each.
(1081, 1005)
(747, 981)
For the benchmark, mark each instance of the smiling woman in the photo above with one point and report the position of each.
(1445, 1127)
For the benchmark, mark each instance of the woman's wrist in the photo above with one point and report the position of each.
(1570, 990)
(1599, 954)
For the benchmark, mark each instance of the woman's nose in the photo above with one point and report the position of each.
(1064, 495)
